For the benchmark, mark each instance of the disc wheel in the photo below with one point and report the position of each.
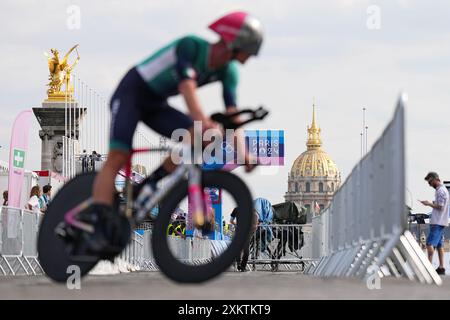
(54, 257)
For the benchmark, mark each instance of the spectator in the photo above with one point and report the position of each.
(180, 229)
(224, 227)
(264, 209)
(47, 195)
(5, 197)
(438, 220)
(35, 203)
(84, 162)
(94, 157)
(243, 257)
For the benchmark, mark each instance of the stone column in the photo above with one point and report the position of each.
(52, 119)
(46, 136)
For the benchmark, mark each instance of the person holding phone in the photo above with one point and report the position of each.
(438, 220)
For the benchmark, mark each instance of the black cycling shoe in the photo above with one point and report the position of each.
(440, 271)
(111, 232)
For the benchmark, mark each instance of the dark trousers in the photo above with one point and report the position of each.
(243, 257)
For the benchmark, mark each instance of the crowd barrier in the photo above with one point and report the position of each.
(363, 232)
(134, 252)
(188, 250)
(278, 247)
(18, 244)
(18, 234)
(272, 246)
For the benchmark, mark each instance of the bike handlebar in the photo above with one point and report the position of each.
(226, 120)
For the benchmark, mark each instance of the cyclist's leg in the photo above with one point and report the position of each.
(166, 119)
(125, 116)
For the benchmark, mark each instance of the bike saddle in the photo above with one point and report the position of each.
(227, 119)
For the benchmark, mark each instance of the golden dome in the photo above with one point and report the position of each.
(314, 162)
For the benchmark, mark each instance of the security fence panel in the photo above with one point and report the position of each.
(30, 231)
(282, 247)
(317, 236)
(12, 242)
(204, 249)
(367, 218)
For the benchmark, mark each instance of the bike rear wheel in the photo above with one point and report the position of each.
(54, 257)
(184, 271)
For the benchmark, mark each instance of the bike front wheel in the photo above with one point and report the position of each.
(189, 259)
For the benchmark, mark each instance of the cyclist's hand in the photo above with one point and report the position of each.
(207, 123)
(235, 119)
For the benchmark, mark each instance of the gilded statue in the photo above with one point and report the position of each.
(60, 73)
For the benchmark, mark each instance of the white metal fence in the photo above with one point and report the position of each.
(363, 232)
(187, 250)
(134, 252)
(18, 234)
(278, 247)
(274, 247)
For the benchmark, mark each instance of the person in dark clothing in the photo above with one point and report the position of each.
(5, 197)
(242, 259)
(84, 162)
(47, 194)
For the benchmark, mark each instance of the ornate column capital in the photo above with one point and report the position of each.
(49, 133)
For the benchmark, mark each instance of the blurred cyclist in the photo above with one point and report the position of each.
(178, 68)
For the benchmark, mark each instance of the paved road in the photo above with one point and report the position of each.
(251, 285)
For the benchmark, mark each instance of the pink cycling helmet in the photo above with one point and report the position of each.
(240, 31)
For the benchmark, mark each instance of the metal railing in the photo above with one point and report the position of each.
(134, 251)
(364, 231)
(18, 236)
(272, 247)
(188, 250)
(278, 247)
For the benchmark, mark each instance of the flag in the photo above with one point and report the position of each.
(17, 156)
(316, 207)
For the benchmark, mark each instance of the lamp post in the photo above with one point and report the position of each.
(364, 132)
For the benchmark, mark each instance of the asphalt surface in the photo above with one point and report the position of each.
(231, 285)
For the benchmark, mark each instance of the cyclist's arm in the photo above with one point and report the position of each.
(230, 80)
(186, 53)
(188, 88)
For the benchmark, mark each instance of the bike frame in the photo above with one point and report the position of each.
(195, 193)
(196, 196)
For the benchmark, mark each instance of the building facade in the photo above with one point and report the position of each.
(314, 176)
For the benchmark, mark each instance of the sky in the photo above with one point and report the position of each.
(345, 54)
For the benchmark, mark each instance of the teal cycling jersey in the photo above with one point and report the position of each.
(187, 58)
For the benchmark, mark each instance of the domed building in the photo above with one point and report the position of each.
(314, 176)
